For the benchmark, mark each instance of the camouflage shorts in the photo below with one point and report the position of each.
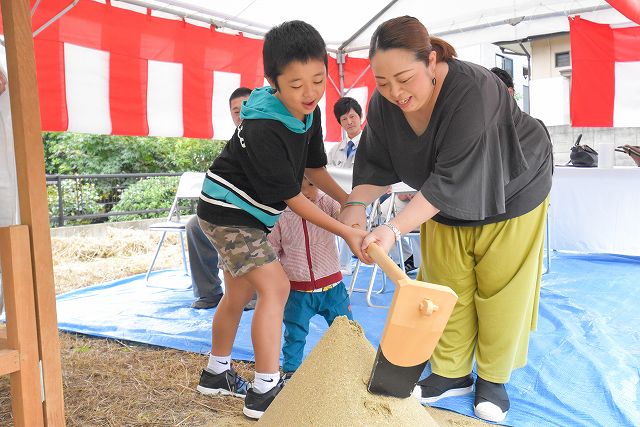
(240, 249)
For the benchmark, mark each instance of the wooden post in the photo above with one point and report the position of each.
(27, 136)
(22, 336)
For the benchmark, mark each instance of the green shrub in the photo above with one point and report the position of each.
(80, 154)
(76, 153)
(78, 198)
(195, 154)
(151, 193)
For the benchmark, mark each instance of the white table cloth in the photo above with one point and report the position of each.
(592, 210)
(596, 210)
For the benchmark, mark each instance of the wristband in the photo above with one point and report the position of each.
(355, 204)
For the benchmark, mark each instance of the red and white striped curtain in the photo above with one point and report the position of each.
(103, 69)
(605, 82)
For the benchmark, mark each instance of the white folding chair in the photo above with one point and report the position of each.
(396, 190)
(371, 220)
(189, 188)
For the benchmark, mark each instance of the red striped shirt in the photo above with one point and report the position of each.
(308, 253)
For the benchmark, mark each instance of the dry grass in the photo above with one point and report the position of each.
(112, 383)
(82, 261)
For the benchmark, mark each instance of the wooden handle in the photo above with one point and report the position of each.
(387, 265)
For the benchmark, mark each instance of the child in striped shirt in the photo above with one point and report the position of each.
(309, 256)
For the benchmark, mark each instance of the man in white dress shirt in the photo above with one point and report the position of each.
(349, 115)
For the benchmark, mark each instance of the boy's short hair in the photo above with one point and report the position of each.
(343, 105)
(504, 76)
(288, 42)
(239, 93)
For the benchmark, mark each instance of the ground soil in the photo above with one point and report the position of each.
(113, 383)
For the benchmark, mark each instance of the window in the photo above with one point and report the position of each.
(505, 63)
(563, 59)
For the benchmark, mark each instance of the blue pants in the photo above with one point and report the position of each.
(300, 308)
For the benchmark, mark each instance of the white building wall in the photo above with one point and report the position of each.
(549, 100)
(550, 86)
(486, 54)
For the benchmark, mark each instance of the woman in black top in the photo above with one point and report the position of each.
(482, 168)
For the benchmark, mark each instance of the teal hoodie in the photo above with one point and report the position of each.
(263, 104)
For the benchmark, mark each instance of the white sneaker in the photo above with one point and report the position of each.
(491, 402)
(490, 412)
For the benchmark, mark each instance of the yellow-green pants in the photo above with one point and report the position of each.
(495, 269)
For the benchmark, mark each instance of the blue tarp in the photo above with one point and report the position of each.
(584, 359)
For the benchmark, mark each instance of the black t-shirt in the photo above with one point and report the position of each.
(481, 159)
(263, 164)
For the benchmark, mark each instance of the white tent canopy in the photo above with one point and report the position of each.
(349, 25)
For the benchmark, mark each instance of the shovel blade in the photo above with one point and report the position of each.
(391, 380)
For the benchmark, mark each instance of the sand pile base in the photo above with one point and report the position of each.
(330, 388)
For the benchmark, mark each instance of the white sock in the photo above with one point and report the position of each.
(219, 364)
(265, 382)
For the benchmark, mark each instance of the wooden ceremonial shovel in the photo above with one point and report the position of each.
(417, 317)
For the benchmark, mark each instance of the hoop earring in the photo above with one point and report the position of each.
(433, 81)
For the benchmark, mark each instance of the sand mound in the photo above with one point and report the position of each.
(330, 388)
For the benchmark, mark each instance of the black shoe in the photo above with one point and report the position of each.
(202, 303)
(408, 265)
(287, 377)
(228, 383)
(491, 402)
(436, 387)
(256, 403)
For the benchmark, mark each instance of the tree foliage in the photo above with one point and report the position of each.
(76, 153)
(83, 154)
(151, 193)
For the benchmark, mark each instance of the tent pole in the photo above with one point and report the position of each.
(511, 21)
(27, 137)
(527, 107)
(218, 16)
(367, 25)
(340, 59)
(355, 82)
(35, 6)
(333, 83)
(515, 21)
(55, 18)
(242, 25)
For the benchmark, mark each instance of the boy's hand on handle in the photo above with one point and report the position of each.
(353, 216)
(353, 236)
(383, 236)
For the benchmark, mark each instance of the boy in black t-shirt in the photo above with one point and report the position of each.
(258, 174)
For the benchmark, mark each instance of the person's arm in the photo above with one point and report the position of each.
(417, 211)
(275, 239)
(312, 213)
(355, 215)
(320, 178)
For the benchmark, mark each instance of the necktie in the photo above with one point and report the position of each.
(350, 148)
